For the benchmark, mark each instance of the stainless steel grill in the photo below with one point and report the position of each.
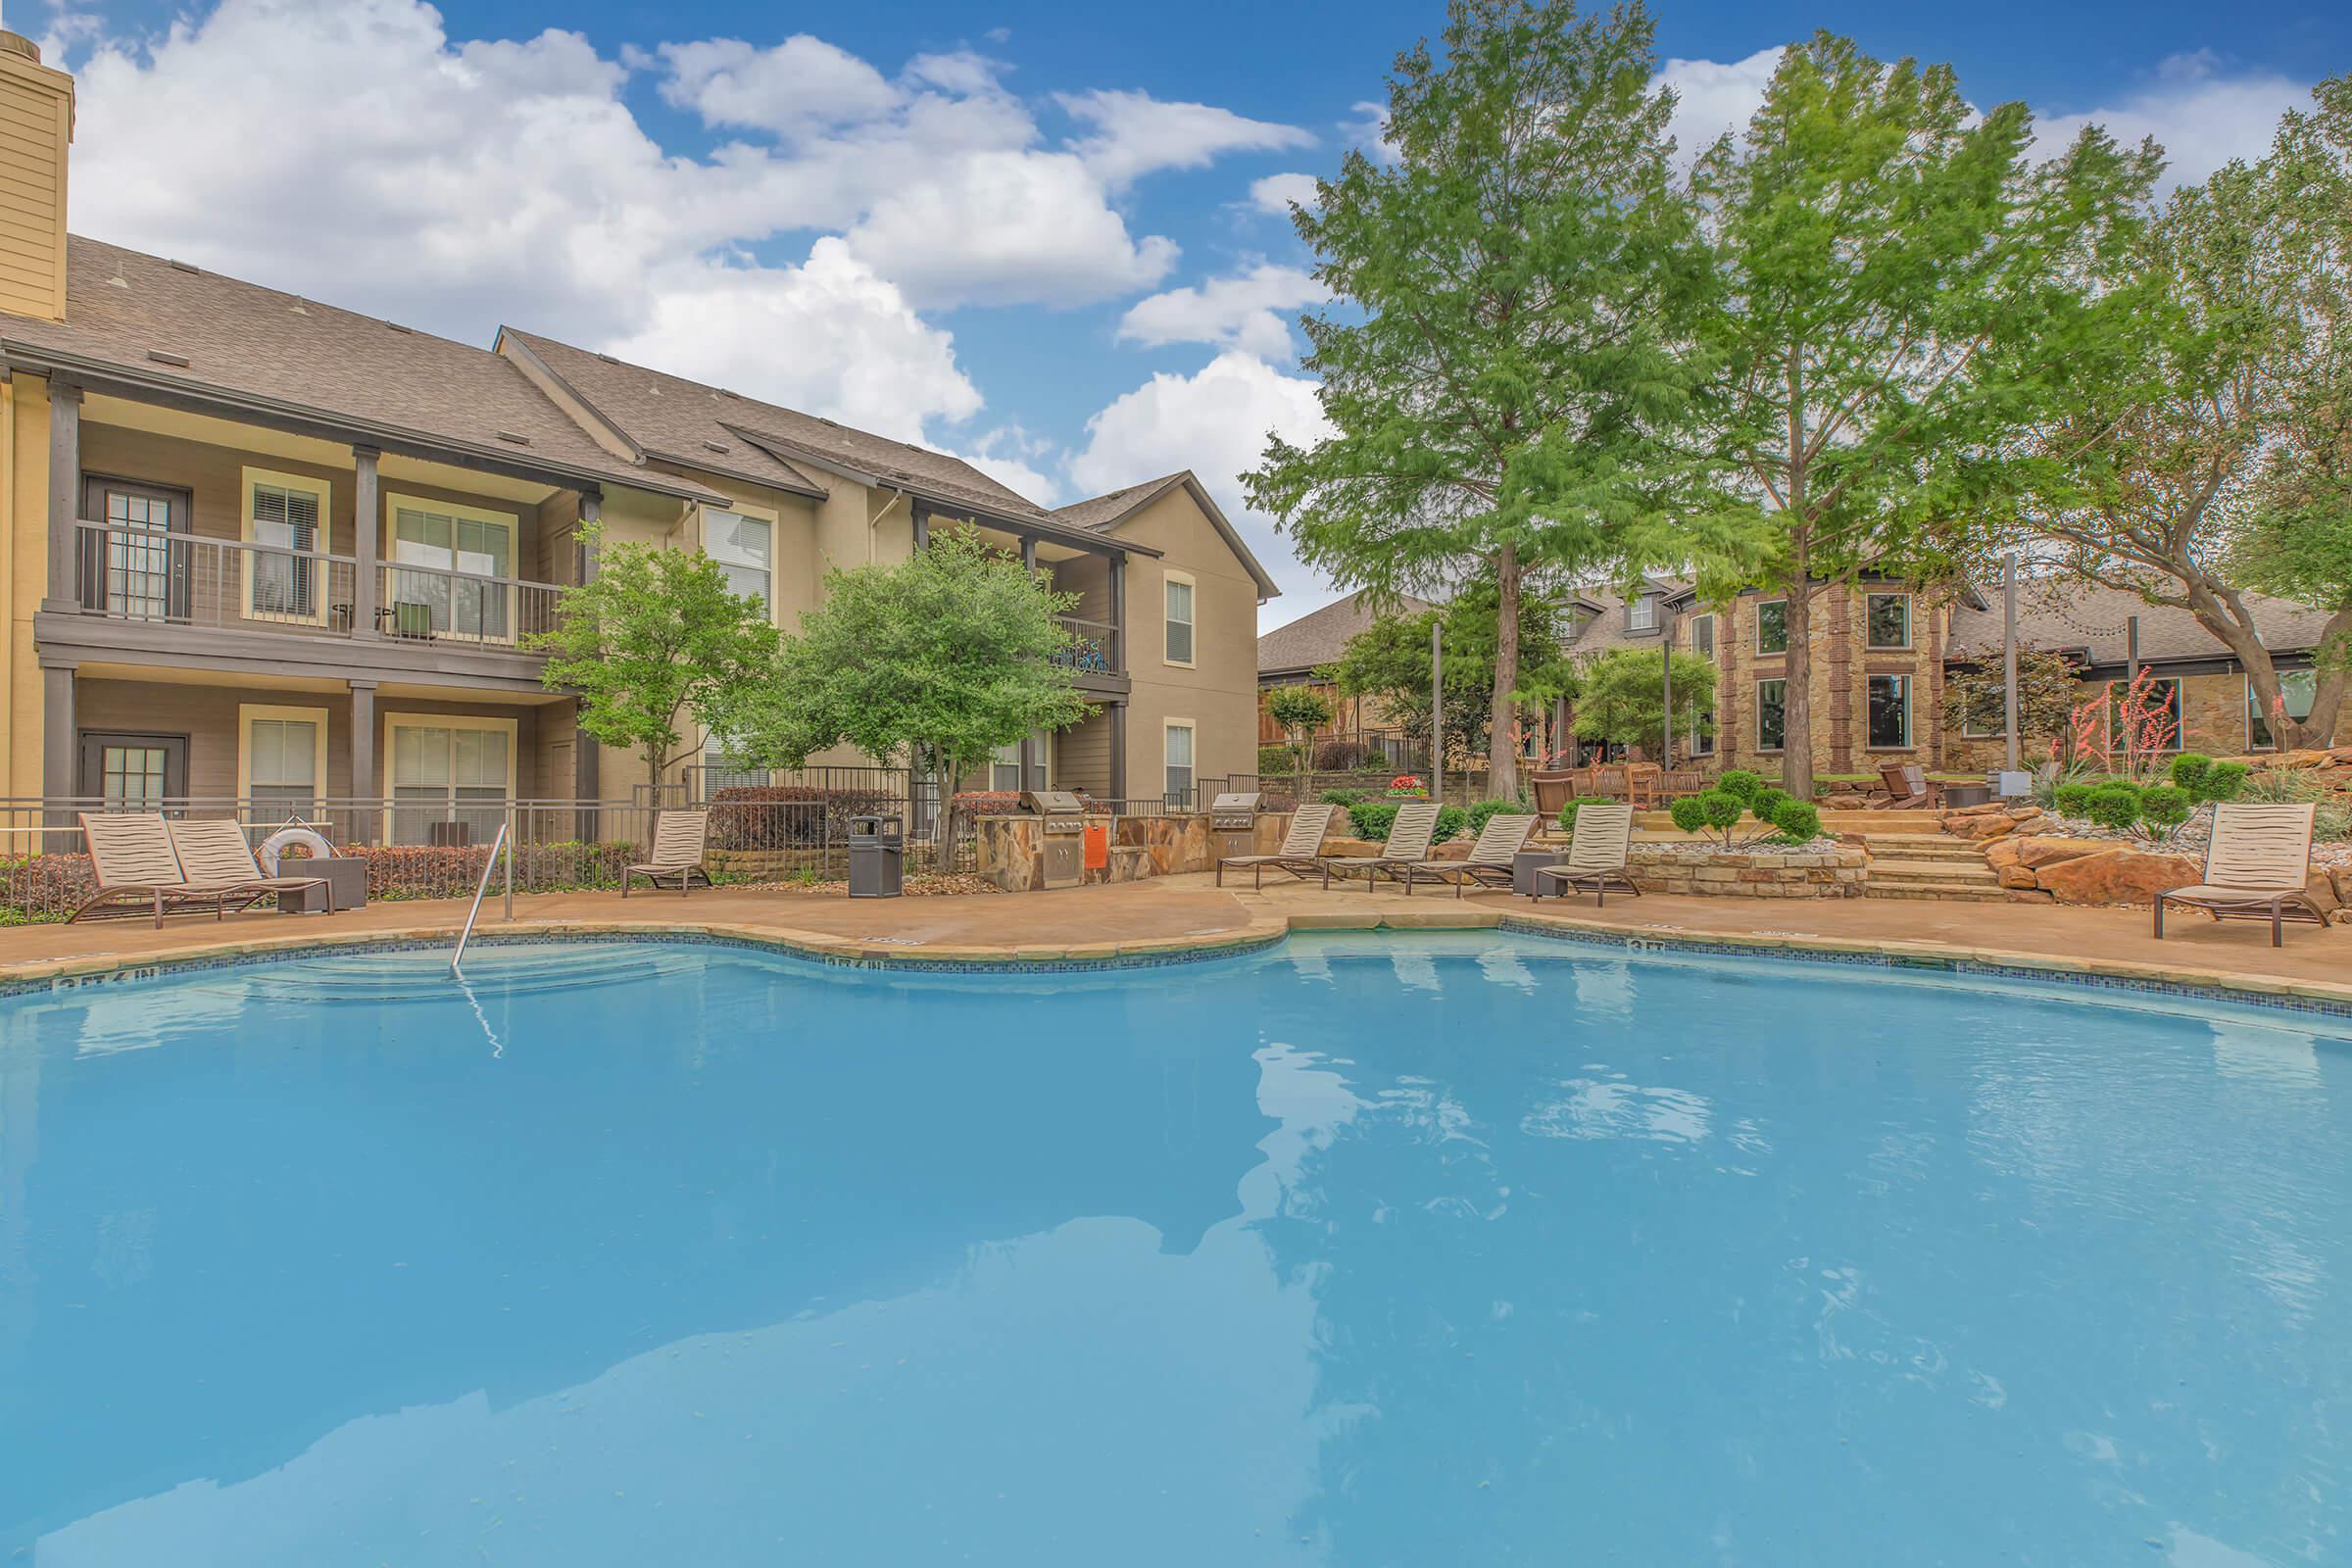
(1062, 835)
(1233, 822)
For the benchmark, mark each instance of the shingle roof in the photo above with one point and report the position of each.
(1097, 513)
(158, 322)
(1320, 636)
(679, 421)
(2060, 614)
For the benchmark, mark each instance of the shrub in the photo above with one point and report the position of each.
(1484, 812)
(2071, 797)
(1346, 756)
(1798, 819)
(1713, 812)
(2287, 786)
(1278, 758)
(1767, 800)
(1376, 819)
(1342, 797)
(785, 817)
(2204, 780)
(1688, 814)
(1740, 784)
(2114, 803)
(1568, 811)
(2165, 806)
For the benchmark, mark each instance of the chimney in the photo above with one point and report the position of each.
(36, 121)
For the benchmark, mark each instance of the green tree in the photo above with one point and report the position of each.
(1505, 357)
(2212, 450)
(1620, 697)
(1903, 289)
(939, 662)
(1389, 661)
(656, 638)
(2049, 690)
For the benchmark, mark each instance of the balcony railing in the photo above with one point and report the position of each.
(184, 579)
(1096, 649)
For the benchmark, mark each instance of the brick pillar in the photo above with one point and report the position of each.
(1838, 637)
(1727, 692)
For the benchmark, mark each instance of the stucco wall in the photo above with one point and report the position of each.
(1219, 691)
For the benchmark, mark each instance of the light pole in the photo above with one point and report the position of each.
(2009, 653)
(1437, 709)
(1666, 683)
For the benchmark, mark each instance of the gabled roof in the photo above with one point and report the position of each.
(162, 326)
(1320, 636)
(1115, 508)
(2060, 614)
(709, 428)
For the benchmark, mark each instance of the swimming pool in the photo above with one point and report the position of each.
(1466, 1248)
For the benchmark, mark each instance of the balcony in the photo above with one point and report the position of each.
(1095, 652)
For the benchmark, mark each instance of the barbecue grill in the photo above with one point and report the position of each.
(1062, 835)
(1233, 822)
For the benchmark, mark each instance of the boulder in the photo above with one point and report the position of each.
(2321, 888)
(2030, 895)
(2302, 760)
(2022, 814)
(2050, 849)
(2018, 876)
(1982, 827)
(2116, 874)
(2003, 852)
(1984, 808)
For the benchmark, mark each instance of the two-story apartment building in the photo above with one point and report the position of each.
(253, 545)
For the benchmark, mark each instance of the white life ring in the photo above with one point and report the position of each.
(279, 842)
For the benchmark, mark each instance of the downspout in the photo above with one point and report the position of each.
(875, 522)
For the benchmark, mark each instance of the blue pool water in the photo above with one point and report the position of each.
(1450, 1249)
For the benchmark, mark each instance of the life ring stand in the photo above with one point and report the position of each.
(285, 838)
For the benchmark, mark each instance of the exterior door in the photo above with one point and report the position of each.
(135, 571)
(132, 773)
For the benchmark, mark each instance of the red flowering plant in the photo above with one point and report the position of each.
(2145, 717)
(1408, 786)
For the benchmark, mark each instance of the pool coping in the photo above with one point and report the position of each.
(1261, 931)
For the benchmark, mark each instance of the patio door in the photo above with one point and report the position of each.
(134, 570)
(455, 553)
(132, 773)
(450, 781)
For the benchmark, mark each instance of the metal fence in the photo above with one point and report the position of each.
(417, 849)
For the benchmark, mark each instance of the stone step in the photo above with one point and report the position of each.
(1956, 892)
(1926, 852)
(1952, 871)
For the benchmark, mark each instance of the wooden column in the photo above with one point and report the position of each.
(65, 493)
(58, 747)
(587, 758)
(366, 825)
(366, 525)
(1118, 713)
(1118, 614)
(920, 512)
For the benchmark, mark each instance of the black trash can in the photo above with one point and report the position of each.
(877, 856)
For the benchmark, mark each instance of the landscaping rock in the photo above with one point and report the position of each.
(2320, 887)
(2003, 854)
(2030, 896)
(2018, 876)
(2049, 850)
(1982, 827)
(2115, 876)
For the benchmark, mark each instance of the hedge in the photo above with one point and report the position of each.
(1372, 821)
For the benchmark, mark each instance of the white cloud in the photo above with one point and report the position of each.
(1215, 423)
(1712, 98)
(1275, 192)
(1367, 128)
(1136, 133)
(1247, 310)
(800, 86)
(1010, 456)
(2202, 118)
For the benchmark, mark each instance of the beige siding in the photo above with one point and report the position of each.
(1081, 756)
(1218, 693)
(36, 121)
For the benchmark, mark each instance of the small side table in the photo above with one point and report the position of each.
(1524, 866)
(346, 878)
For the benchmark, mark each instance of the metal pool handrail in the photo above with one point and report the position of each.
(483, 886)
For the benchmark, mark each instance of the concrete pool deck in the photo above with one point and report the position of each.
(1176, 915)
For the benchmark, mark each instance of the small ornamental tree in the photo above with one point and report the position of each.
(1620, 697)
(942, 659)
(657, 638)
(1301, 711)
(1974, 700)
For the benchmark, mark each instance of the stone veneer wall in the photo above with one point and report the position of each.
(1838, 873)
(1141, 846)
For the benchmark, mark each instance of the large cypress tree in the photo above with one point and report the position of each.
(1505, 363)
(1903, 289)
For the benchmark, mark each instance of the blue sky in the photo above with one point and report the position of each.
(1034, 234)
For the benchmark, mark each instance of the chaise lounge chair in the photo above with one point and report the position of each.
(679, 838)
(1301, 851)
(1908, 788)
(2256, 868)
(1597, 852)
(1406, 852)
(131, 855)
(1489, 865)
(214, 852)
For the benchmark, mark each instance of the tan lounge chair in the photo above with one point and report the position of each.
(1488, 863)
(131, 854)
(1908, 788)
(1301, 851)
(214, 852)
(2256, 868)
(1597, 855)
(678, 841)
(1406, 852)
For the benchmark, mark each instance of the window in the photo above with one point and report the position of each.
(1889, 712)
(723, 769)
(283, 515)
(1180, 762)
(1642, 613)
(2297, 689)
(451, 569)
(1772, 715)
(1772, 626)
(1986, 713)
(1886, 621)
(1703, 636)
(1179, 619)
(1005, 768)
(282, 761)
(451, 777)
(742, 547)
